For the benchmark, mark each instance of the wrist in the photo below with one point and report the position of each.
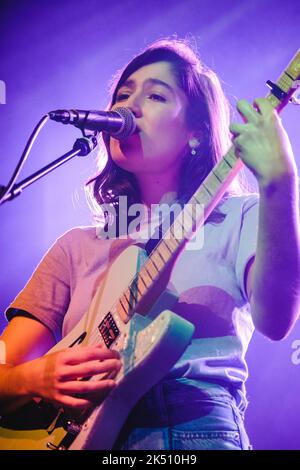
(18, 380)
(13, 394)
(283, 181)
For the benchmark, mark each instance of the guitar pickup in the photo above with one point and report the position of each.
(108, 330)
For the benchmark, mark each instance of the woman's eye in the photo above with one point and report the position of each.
(152, 96)
(157, 97)
(122, 96)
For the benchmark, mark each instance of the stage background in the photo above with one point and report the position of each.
(62, 54)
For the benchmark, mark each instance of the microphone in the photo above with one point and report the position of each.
(119, 123)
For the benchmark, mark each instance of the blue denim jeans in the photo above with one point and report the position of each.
(182, 415)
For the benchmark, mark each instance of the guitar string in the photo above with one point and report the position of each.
(94, 336)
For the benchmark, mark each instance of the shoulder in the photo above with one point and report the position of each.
(237, 208)
(234, 212)
(77, 239)
(84, 242)
(239, 204)
(76, 234)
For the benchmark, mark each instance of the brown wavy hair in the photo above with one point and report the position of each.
(208, 111)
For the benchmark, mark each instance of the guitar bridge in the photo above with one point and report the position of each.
(108, 330)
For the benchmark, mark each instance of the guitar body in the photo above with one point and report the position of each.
(149, 346)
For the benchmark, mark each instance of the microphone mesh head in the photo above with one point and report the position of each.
(129, 126)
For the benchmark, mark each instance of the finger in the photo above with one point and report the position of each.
(237, 143)
(84, 354)
(91, 386)
(113, 352)
(263, 105)
(247, 111)
(74, 402)
(236, 128)
(89, 369)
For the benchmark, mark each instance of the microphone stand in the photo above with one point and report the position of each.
(81, 147)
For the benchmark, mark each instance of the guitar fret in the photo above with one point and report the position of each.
(127, 301)
(190, 218)
(213, 182)
(206, 189)
(215, 172)
(273, 100)
(141, 277)
(121, 303)
(293, 69)
(132, 297)
(152, 268)
(147, 280)
(177, 221)
(153, 262)
(174, 231)
(178, 230)
(139, 289)
(164, 243)
(285, 83)
(225, 160)
(173, 244)
(157, 260)
(200, 197)
(158, 248)
(223, 169)
(148, 274)
(194, 199)
(122, 312)
(230, 157)
(170, 233)
(136, 286)
(288, 75)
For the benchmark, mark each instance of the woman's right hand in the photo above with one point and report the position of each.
(56, 377)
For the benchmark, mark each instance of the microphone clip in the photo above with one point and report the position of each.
(85, 144)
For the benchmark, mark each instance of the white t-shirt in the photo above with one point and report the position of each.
(210, 283)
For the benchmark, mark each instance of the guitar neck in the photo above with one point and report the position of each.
(201, 204)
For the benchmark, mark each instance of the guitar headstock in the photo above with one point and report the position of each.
(286, 86)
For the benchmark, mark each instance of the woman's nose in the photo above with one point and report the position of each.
(134, 104)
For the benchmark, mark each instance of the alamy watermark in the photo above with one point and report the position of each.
(2, 92)
(296, 353)
(140, 222)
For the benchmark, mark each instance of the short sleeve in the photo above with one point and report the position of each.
(247, 240)
(46, 296)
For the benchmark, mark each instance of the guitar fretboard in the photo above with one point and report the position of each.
(206, 198)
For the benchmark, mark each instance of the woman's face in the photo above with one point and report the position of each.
(159, 105)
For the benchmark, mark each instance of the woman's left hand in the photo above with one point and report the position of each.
(262, 142)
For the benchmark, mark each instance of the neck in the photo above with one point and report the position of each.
(156, 189)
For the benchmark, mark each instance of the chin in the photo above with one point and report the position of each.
(126, 163)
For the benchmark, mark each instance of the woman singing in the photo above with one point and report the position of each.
(245, 275)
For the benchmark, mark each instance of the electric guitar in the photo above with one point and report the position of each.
(131, 314)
